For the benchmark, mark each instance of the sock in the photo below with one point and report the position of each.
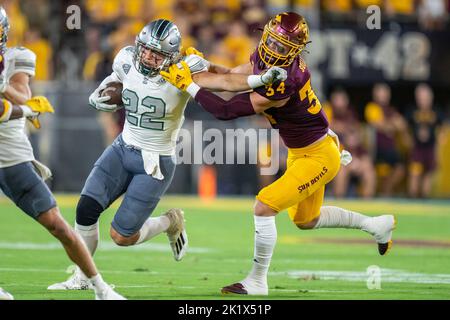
(152, 227)
(334, 217)
(265, 239)
(90, 235)
(98, 283)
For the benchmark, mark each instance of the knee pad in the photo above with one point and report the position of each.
(88, 211)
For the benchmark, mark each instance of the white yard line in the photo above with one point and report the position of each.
(386, 275)
(104, 246)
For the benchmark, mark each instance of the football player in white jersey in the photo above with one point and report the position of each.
(21, 176)
(140, 163)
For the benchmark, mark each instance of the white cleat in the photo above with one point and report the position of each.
(108, 293)
(247, 287)
(4, 295)
(381, 228)
(177, 233)
(77, 281)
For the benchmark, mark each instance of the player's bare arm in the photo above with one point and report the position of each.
(235, 82)
(31, 108)
(230, 81)
(18, 89)
(241, 105)
(238, 79)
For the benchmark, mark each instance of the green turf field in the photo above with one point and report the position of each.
(318, 264)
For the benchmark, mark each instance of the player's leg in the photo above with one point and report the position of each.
(77, 252)
(31, 194)
(310, 214)
(106, 182)
(131, 224)
(264, 244)
(308, 170)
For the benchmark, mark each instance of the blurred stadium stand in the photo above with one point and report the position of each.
(411, 48)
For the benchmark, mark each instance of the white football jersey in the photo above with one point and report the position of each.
(154, 107)
(15, 147)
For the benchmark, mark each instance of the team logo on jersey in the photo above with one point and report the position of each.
(126, 68)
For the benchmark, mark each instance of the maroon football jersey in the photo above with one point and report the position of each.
(301, 121)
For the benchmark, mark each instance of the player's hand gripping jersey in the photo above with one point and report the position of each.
(15, 147)
(154, 108)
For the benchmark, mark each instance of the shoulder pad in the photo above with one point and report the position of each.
(24, 60)
(196, 63)
(123, 61)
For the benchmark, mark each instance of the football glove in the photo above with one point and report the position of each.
(34, 107)
(35, 121)
(272, 75)
(178, 77)
(192, 50)
(99, 102)
(40, 104)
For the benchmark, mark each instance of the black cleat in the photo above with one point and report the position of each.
(384, 247)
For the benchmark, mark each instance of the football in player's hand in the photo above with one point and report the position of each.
(113, 90)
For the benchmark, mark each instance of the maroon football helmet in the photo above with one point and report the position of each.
(284, 37)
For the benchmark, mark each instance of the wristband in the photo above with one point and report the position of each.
(7, 111)
(255, 81)
(27, 111)
(193, 89)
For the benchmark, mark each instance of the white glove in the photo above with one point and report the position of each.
(272, 75)
(99, 102)
(346, 158)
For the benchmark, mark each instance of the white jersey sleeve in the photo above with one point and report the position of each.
(196, 63)
(21, 59)
(121, 67)
(123, 62)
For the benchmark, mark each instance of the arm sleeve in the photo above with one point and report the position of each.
(24, 61)
(239, 106)
(123, 62)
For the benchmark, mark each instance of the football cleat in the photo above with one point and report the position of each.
(108, 293)
(247, 287)
(235, 288)
(77, 281)
(177, 233)
(4, 295)
(381, 229)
